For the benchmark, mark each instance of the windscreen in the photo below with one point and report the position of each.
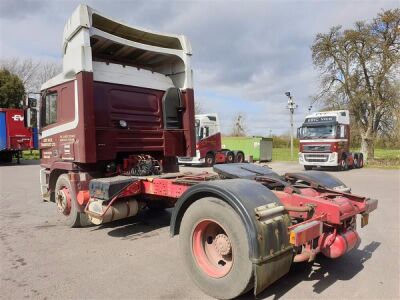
(318, 132)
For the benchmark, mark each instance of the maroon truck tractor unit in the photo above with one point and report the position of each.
(325, 141)
(113, 123)
(208, 144)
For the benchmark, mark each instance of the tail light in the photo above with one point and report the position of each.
(197, 146)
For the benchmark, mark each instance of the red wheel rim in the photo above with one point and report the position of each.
(63, 200)
(212, 249)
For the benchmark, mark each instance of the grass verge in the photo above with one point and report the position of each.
(384, 158)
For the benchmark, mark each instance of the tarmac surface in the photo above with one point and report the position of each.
(41, 258)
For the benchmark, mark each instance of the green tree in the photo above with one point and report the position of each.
(12, 90)
(360, 71)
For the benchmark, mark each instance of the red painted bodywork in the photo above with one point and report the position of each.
(18, 136)
(211, 143)
(98, 136)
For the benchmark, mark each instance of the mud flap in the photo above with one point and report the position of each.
(271, 270)
(274, 245)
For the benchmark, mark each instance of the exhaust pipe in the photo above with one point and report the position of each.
(100, 213)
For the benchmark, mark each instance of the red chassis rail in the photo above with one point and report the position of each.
(316, 212)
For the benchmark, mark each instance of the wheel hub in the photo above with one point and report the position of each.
(222, 244)
(63, 200)
(212, 249)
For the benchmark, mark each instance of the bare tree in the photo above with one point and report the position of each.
(33, 73)
(239, 125)
(360, 70)
(198, 109)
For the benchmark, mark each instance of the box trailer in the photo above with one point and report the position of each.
(15, 137)
(260, 148)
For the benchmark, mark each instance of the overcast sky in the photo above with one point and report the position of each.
(246, 54)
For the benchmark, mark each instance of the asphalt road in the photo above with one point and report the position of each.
(41, 258)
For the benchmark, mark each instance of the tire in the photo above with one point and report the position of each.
(6, 157)
(209, 160)
(230, 157)
(236, 276)
(239, 157)
(355, 163)
(72, 216)
(361, 161)
(307, 168)
(343, 165)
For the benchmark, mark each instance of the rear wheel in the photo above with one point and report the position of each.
(361, 162)
(239, 157)
(343, 166)
(230, 157)
(355, 162)
(6, 157)
(209, 160)
(67, 205)
(215, 249)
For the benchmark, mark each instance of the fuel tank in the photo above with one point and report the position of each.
(335, 245)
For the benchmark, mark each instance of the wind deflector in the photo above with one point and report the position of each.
(134, 34)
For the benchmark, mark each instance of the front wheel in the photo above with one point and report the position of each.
(209, 160)
(215, 249)
(307, 168)
(67, 205)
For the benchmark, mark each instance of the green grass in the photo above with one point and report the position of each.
(283, 154)
(34, 154)
(384, 158)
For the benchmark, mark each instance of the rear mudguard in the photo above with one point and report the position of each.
(270, 250)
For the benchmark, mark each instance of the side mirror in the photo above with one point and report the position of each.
(298, 132)
(31, 118)
(31, 102)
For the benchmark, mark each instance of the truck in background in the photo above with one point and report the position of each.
(15, 136)
(325, 141)
(208, 144)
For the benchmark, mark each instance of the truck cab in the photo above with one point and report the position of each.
(208, 144)
(325, 141)
(123, 102)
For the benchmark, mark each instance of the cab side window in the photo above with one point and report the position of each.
(50, 109)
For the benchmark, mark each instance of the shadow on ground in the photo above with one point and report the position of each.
(22, 163)
(325, 272)
(144, 225)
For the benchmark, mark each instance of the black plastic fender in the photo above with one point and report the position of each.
(243, 195)
(268, 238)
(318, 179)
